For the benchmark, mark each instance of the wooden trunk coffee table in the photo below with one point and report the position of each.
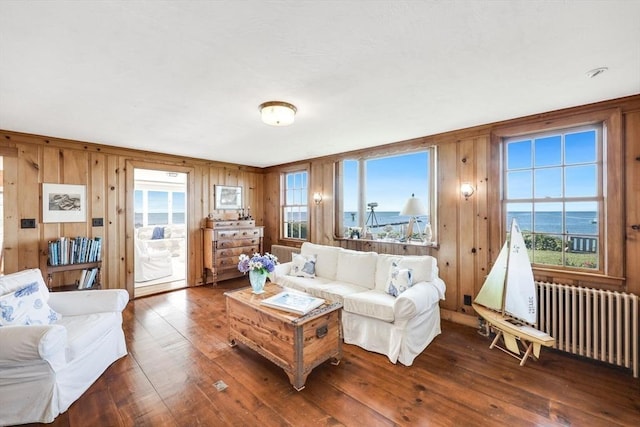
(296, 343)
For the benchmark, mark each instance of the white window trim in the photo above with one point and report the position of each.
(612, 274)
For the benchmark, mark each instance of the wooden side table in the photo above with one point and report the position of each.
(295, 343)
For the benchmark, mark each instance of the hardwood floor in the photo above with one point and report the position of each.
(178, 349)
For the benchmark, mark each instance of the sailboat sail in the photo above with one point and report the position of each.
(492, 290)
(509, 286)
(520, 299)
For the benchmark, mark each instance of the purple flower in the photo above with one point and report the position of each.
(264, 263)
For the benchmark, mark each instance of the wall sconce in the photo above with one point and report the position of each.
(317, 197)
(466, 189)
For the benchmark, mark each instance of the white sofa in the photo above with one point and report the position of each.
(45, 367)
(400, 327)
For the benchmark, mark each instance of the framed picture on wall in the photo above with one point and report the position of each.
(227, 197)
(64, 203)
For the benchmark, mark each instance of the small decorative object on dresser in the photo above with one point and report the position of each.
(224, 242)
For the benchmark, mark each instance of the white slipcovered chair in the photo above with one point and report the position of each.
(150, 263)
(50, 357)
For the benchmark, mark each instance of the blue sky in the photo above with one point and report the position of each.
(546, 181)
(391, 181)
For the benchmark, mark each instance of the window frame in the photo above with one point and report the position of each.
(284, 206)
(430, 201)
(536, 199)
(611, 231)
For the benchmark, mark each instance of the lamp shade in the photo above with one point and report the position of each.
(278, 113)
(414, 207)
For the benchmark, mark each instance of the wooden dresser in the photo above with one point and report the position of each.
(224, 241)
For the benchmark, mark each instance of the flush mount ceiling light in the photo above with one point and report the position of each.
(277, 113)
(596, 72)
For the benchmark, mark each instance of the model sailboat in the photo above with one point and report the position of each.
(508, 301)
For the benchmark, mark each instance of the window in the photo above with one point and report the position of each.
(553, 187)
(159, 197)
(295, 219)
(373, 191)
(154, 207)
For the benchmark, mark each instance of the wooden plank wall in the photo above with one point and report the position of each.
(632, 180)
(107, 173)
(469, 231)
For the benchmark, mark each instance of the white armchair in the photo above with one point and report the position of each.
(150, 263)
(44, 368)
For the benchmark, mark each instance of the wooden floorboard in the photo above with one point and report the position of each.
(178, 350)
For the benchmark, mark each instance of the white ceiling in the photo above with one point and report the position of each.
(186, 77)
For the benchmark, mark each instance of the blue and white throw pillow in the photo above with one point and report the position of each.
(26, 306)
(303, 266)
(399, 280)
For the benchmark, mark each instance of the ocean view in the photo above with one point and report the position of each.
(159, 218)
(582, 222)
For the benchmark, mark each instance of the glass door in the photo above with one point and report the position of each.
(160, 230)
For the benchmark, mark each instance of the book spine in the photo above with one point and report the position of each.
(51, 253)
(84, 250)
(92, 278)
(72, 255)
(56, 248)
(78, 247)
(83, 277)
(98, 248)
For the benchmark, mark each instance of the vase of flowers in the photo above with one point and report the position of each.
(258, 266)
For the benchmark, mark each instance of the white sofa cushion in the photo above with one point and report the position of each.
(336, 291)
(371, 303)
(326, 258)
(383, 266)
(357, 268)
(423, 266)
(312, 286)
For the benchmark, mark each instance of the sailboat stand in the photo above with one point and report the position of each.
(531, 339)
(508, 302)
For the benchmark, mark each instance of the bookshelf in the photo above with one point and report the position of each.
(75, 254)
(52, 269)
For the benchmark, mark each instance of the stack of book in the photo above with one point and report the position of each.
(88, 278)
(76, 250)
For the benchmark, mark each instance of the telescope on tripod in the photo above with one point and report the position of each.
(372, 215)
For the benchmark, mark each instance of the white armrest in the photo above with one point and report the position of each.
(281, 270)
(75, 303)
(418, 298)
(31, 343)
